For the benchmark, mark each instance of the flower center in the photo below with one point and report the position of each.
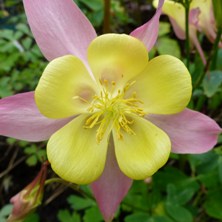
(110, 109)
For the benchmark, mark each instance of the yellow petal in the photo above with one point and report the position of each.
(164, 86)
(205, 19)
(117, 57)
(74, 154)
(205, 7)
(141, 155)
(173, 10)
(64, 88)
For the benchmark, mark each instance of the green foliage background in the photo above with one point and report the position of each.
(188, 188)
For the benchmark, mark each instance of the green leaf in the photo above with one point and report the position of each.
(143, 217)
(171, 175)
(168, 175)
(140, 197)
(76, 218)
(213, 204)
(79, 203)
(161, 219)
(138, 201)
(179, 196)
(65, 216)
(219, 59)
(96, 18)
(32, 160)
(18, 35)
(220, 169)
(7, 34)
(23, 28)
(214, 102)
(210, 179)
(94, 5)
(30, 150)
(34, 217)
(168, 46)
(92, 215)
(5, 210)
(164, 28)
(5, 92)
(138, 187)
(11, 141)
(178, 213)
(212, 82)
(41, 154)
(204, 163)
(27, 42)
(220, 139)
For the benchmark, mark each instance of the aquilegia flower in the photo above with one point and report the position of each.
(201, 18)
(110, 114)
(112, 105)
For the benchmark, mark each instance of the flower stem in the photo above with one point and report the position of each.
(106, 23)
(61, 181)
(75, 187)
(187, 43)
(215, 49)
(54, 180)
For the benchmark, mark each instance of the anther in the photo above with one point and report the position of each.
(109, 110)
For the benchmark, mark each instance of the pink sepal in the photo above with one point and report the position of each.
(148, 32)
(111, 187)
(59, 27)
(20, 119)
(189, 131)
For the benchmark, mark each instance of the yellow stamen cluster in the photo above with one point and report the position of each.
(110, 109)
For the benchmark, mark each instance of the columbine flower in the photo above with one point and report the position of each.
(111, 105)
(29, 198)
(110, 114)
(206, 19)
(201, 18)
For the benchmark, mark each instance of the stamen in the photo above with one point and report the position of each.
(102, 129)
(110, 111)
(92, 120)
